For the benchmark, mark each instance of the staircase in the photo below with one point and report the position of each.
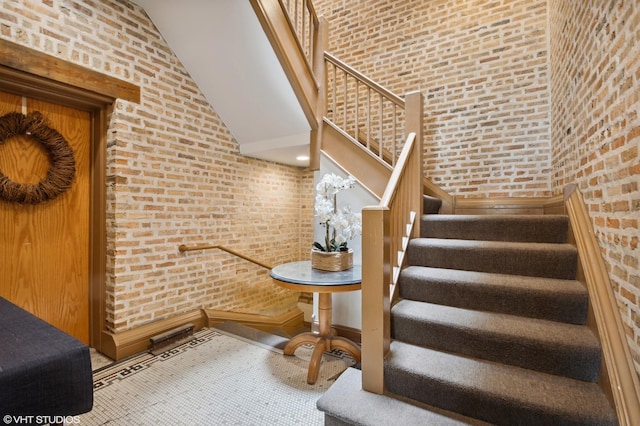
(490, 327)
(491, 322)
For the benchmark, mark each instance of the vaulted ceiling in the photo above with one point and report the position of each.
(222, 45)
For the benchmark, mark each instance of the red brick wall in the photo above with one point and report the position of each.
(595, 72)
(523, 98)
(483, 69)
(174, 174)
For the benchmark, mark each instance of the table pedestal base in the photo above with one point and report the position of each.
(324, 341)
(322, 344)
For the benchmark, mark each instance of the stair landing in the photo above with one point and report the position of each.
(373, 410)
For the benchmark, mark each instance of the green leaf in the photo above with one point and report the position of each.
(318, 246)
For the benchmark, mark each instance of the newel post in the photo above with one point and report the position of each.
(376, 276)
(414, 116)
(320, 44)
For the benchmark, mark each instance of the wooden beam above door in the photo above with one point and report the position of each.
(16, 60)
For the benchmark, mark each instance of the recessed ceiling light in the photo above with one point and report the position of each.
(302, 157)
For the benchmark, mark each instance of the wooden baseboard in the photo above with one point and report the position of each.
(118, 346)
(452, 204)
(290, 322)
(554, 205)
(507, 205)
(121, 345)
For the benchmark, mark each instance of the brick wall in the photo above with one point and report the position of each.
(174, 173)
(483, 69)
(595, 82)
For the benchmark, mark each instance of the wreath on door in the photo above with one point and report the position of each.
(63, 164)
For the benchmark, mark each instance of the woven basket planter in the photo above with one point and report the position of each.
(332, 261)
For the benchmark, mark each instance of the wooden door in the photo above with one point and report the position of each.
(44, 248)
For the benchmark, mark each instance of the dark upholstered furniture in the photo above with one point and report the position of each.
(43, 371)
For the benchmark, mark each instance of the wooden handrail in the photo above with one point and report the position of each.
(364, 79)
(184, 248)
(400, 169)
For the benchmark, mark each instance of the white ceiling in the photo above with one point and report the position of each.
(223, 47)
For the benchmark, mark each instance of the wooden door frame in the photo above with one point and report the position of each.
(27, 72)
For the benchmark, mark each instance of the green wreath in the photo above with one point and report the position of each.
(63, 164)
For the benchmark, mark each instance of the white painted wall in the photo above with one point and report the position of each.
(347, 307)
(223, 46)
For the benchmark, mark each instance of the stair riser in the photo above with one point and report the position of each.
(552, 262)
(563, 360)
(536, 229)
(330, 420)
(569, 308)
(470, 403)
(431, 205)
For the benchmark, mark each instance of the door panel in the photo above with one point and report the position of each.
(44, 248)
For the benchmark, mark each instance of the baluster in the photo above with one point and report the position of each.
(335, 95)
(369, 118)
(380, 136)
(295, 14)
(304, 35)
(344, 106)
(357, 114)
(395, 135)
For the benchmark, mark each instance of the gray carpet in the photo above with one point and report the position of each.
(490, 327)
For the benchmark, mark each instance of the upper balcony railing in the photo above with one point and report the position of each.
(298, 40)
(366, 111)
(329, 89)
(305, 24)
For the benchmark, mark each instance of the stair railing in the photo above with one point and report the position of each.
(299, 38)
(386, 230)
(305, 24)
(184, 248)
(366, 111)
(391, 128)
(327, 87)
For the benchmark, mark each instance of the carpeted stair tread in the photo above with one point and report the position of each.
(534, 297)
(522, 228)
(492, 392)
(339, 403)
(547, 346)
(517, 258)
